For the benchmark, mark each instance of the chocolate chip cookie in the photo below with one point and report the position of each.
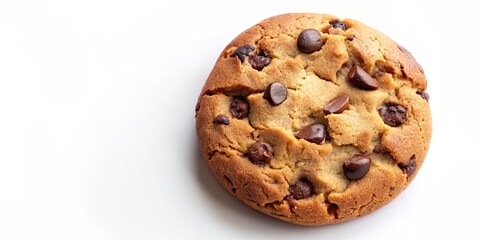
(313, 119)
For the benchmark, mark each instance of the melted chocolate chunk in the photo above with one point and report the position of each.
(221, 119)
(301, 190)
(239, 107)
(380, 149)
(333, 209)
(242, 52)
(424, 95)
(259, 61)
(410, 167)
(339, 24)
(393, 114)
(260, 153)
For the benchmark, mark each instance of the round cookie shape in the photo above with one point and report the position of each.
(313, 119)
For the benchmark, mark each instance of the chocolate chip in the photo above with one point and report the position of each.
(327, 137)
(393, 114)
(351, 37)
(356, 167)
(337, 105)
(424, 95)
(242, 52)
(275, 93)
(332, 209)
(315, 133)
(260, 153)
(290, 201)
(309, 41)
(361, 79)
(380, 149)
(410, 167)
(301, 190)
(259, 61)
(221, 119)
(339, 24)
(239, 107)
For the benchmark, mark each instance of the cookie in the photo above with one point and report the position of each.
(314, 120)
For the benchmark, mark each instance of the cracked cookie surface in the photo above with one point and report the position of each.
(314, 120)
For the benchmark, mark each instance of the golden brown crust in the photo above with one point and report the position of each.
(313, 80)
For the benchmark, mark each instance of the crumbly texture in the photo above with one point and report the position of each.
(303, 182)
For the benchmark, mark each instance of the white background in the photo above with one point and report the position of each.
(97, 135)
